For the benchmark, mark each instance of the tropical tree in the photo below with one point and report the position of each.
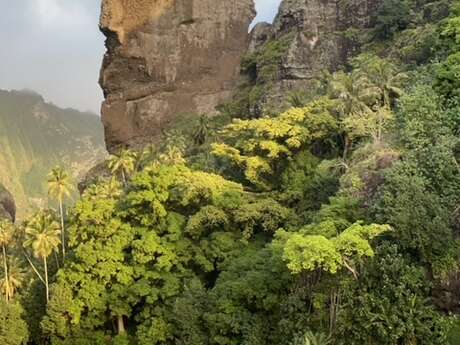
(310, 338)
(173, 150)
(385, 78)
(354, 92)
(262, 146)
(355, 95)
(146, 156)
(13, 328)
(9, 286)
(124, 164)
(42, 235)
(370, 124)
(202, 131)
(6, 236)
(60, 187)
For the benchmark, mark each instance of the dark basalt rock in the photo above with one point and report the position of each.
(7, 204)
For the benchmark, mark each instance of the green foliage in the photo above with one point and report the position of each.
(261, 69)
(308, 252)
(454, 334)
(122, 164)
(333, 222)
(260, 147)
(263, 64)
(310, 338)
(391, 297)
(447, 76)
(13, 329)
(415, 46)
(448, 69)
(35, 136)
(307, 183)
(392, 16)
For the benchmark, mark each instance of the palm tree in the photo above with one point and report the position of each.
(60, 187)
(310, 338)
(123, 164)
(9, 285)
(383, 75)
(42, 235)
(173, 149)
(146, 156)
(6, 236)
(353, 91)
(202, 131)
(355, 95)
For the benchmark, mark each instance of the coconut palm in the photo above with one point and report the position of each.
(9, 286)
(42, 235)
(355, 95)
(202, 131)
(383, 75)
(124, 164)
(6, 237)
(59, 188)
(146, 156)
(310, 338)
(354, 92)
(173, 150)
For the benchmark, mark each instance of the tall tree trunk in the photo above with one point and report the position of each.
(61, 212)
(7, 280)
(346, 146)
(46, 280)
(123, 176)
(121, 325)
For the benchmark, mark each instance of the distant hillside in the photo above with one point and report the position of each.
(36, 136)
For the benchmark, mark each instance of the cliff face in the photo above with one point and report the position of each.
(318, 27)
(171, 57)
(7, 205)
(321, 35)
(165, 58)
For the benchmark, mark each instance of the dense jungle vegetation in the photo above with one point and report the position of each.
(333, 222)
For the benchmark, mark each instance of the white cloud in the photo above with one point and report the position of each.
(67, 14)
(266, 10)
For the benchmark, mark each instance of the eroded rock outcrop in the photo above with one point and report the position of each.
(165, 58)
(7, 204)
(320, 35)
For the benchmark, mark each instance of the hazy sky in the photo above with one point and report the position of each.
(55, 48)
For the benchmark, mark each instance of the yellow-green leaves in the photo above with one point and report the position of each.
(256, 146)
(306, 253)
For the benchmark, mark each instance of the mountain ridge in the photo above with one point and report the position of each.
(35, 136)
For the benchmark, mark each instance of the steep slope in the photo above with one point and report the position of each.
(7, 204)
(166, 58)
(35, 136)
(306, 38)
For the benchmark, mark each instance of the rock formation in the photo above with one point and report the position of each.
(7, 205)
(165, 58)
(320, 35)
(171, 57)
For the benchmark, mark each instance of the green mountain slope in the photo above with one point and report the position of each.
(36, 136)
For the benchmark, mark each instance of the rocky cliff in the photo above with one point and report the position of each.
(7, 205)
(166, 58)
(171, 57)
(316, 35)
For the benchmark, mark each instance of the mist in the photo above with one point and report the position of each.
(55, 48)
